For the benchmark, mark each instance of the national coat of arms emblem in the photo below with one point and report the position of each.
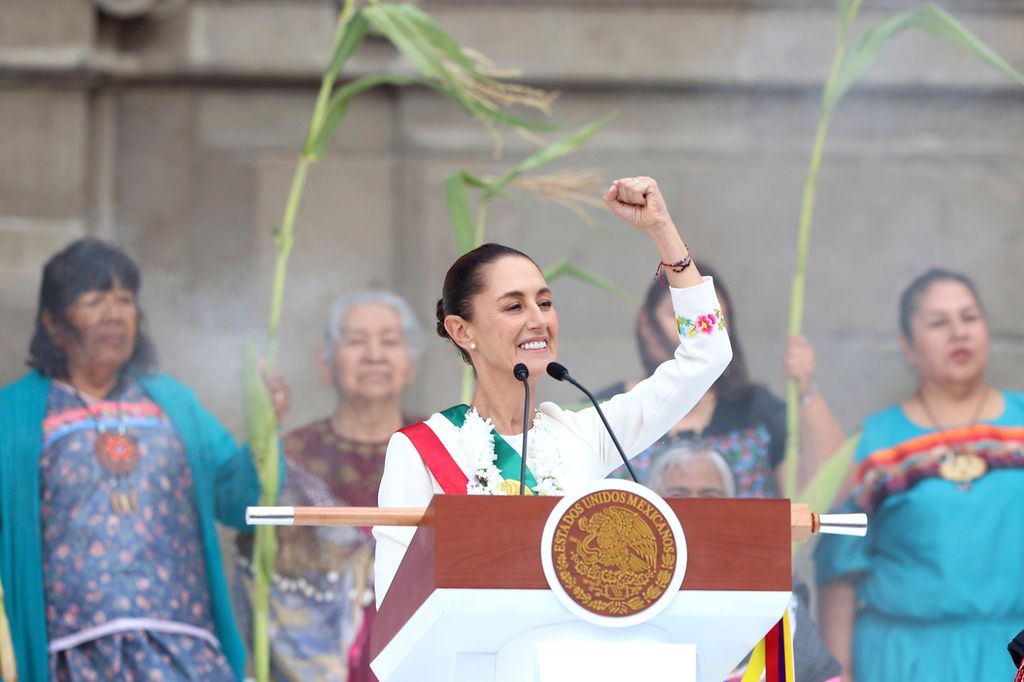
(615, 552)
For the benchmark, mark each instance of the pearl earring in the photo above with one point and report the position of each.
(472, 346)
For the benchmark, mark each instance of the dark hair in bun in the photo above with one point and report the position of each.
(464, 281)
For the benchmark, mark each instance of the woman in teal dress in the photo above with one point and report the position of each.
(934, 591)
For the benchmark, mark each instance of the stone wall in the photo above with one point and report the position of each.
(175, 133)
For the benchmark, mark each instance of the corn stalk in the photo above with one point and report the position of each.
(442, 64)
(572, 189)
(847, 67)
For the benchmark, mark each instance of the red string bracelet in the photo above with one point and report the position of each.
(678, 266)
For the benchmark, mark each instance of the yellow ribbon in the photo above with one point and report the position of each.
(787, 639)
(756, 666)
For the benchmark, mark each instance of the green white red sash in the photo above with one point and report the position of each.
(442, 465)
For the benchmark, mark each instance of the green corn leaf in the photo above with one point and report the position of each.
(459, 212)
(408, 42)
(555, 150)
(930, 18)
(488, 186)
(423, 44)
(847, 10)
(339, 103)
(422, 22)
(566, 268)
(480, 110)
(349, 34)
(355, 33)
(505, 118)
(417, 22)
(821, 491)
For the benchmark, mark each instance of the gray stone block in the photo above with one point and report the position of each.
(38, 27)
(43, 159)
(248, 120)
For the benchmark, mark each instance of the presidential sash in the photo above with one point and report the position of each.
(442, 465)
(437, 458)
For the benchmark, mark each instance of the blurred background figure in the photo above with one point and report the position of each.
(742, 420)
(934, 590)
(697, 470)
(322, 595)
(111, 481)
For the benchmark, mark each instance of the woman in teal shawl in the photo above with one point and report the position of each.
(111, 480)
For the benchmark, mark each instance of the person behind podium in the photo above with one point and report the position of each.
(738, 417)
(696, 469)
(934, 589)
(498, 311)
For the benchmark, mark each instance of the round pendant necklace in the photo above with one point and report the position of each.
(956, 465)
(118, 453)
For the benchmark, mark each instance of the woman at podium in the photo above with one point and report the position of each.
(499, 312)
(934, 590)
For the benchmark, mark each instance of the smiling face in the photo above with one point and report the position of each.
(103, 329)
(514, 320)
(371, 359)
(950, 339)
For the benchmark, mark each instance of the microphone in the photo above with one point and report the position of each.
(522, 373)
(559, 372)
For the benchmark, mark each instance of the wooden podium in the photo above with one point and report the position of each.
(472, 581)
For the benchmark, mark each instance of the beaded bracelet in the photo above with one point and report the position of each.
(678, 266)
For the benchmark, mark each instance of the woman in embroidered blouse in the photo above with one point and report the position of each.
(934, 589)
(111, 480)
(498, 311)
(742, 420)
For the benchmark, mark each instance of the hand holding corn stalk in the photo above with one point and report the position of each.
(847, 66)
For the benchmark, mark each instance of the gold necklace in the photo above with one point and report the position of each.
(960, 467)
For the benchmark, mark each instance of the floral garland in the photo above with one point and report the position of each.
(476, 441)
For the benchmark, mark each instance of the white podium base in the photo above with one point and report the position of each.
(568, 662)
(455, 637)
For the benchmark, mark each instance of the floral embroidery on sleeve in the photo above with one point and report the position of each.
(703, 324)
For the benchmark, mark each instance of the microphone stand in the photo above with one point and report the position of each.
(523, 374)
(562, 374)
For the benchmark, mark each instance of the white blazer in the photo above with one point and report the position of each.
(639, 418)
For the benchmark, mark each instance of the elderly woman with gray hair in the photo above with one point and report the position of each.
(696, 469)
(322, 584)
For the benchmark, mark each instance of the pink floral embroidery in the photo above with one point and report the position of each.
(705, 324)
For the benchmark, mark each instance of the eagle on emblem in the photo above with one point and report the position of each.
(618, 537)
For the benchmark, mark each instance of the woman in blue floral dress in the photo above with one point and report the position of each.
(111, 479)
